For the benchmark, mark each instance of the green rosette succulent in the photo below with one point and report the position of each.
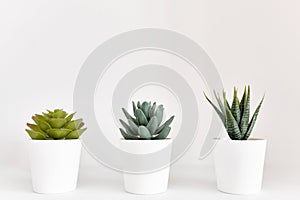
(146, 124)
(55, 125)
(236, 118)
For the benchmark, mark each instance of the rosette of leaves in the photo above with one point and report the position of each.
(146, 124)
(236, 118)
(55, 125)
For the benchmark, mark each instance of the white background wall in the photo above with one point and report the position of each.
(43, 44)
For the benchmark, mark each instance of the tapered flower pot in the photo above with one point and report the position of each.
(147, 183)
(54, 165)
(239, 165)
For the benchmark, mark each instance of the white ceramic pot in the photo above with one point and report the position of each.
(239, 165)
(54, 165)
(147, 183)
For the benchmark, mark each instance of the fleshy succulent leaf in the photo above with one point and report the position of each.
(142, 119)
(146, 126)
(149, 109)
(70, 117)
(163, 134)
(159, 113)
(33, 127)
(139, 104)
(74, 124)
(42, 124)
(41, 117)
(133, 107)
(127, 128)
(127, 136)
(128, 116)
(144, 133)
(167, 123)
(75, 134)
(50, 112)
(152, 125)
(57, 122)
(145, 108)
(47, 115)
(133, 127)
(35, 135)
(59, 114)
(152, 110)
(58, 133)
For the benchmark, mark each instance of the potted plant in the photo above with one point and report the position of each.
(54, 151)
(145, 133)
(239, 160)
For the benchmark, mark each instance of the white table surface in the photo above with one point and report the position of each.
(192, 181)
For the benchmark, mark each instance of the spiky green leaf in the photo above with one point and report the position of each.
(242, 103)
(235, 107)
(221, 106)
(253, 120)
(233, 129)
(246, 113)
(222, 117)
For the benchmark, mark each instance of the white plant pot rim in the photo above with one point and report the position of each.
(228, 140)
(145, 141)
(54, 141)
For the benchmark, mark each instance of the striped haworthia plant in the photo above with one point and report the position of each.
(236, 118)
(146, 123)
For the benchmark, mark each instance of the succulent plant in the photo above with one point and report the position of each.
(55, 125)
(236, 118)
(146, 123)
